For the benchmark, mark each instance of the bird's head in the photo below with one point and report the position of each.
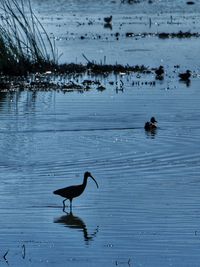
(153, 120)
(88, 174)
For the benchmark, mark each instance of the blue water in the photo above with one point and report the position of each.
(117, 7)
(77, 27)
(146, 210)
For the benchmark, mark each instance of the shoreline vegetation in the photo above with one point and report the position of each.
(25, 46)
(29, 57)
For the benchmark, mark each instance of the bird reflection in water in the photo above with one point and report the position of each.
(186, 82)
(108, 26)
(185, 77)
(74, 222)
(152, 133)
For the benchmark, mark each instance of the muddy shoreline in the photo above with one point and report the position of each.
(78, 77)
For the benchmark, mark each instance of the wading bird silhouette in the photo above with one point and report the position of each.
(73, 191)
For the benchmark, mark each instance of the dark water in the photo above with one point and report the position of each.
(146, 210)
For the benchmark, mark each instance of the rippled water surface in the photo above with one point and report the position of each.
(146, 210)
(117, 6)
(78, 28)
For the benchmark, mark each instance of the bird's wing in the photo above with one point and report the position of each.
(64, 192)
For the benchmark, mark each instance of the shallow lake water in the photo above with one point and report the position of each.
(78, 28)
(146, 210)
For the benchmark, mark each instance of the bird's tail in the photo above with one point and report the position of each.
(55, 192)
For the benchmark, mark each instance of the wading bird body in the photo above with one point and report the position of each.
(73, 191)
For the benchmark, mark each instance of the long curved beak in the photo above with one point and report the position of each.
(94, 181)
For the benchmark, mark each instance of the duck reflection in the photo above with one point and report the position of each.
(74, 222)
(108, 26)
(152, 133)
(186, 82)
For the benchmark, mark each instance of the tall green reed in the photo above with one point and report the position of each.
(25, 45)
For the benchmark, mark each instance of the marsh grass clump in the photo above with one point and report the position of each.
(25, 45)
(180, 34)
(117, 68)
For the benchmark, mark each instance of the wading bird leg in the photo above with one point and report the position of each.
(70, 205)
(64, 204)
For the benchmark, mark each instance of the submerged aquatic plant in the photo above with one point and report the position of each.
(25, 45)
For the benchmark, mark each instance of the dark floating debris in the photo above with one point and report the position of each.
(190, 3)
(176, 66)
(4, 256)
(130, 1)
(180, 34)
(23, 251)
(102, 69)
(123, 262)
(130, 34)
(101, 88)
(138, 83)
(164, 35)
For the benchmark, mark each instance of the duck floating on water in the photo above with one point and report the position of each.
(159, 73)
(185, 76)
(108, 20)
(151, 125)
